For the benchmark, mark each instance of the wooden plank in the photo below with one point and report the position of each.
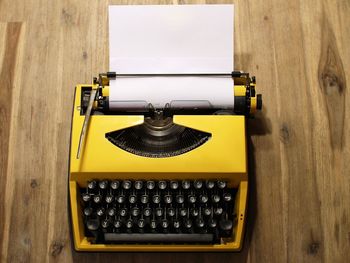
(300, 161)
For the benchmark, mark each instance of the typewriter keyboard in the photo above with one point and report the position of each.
(154, 212)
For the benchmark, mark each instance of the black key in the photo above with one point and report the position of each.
(86, 197)
(174, 185)
(218, 211)
(138, 185)
(97, 199)
(92, 185)
(176, 224)
(123, 212)
(207, 211)
(192, 199)
(147, 212)
(150, 185)
(158, 238)
(183, 212)
(121, 199)
(135, 211)
(103, 184)
(117, 223)
(203, 199)
(162, 185)
(93, 224)
(153, 225)
(88, 211)
(126, 184)
(210, 184)
(171, 212)
(129, 224)
(165, 224)
(168, 199)
(227, 197)
(109, 199)
(111, 212)
(159, 212)
(188, 224)
(221, 184)
(180, 199)
(200, 223)
(144, 199)
(197, 184)
(226, 227)
(132, 199)
(212, 223)
(106, 223)
(215, 198)
(141, 223)
(100, 211)
(194, 212)
(186, 184)
(114, 184)
(156, 199)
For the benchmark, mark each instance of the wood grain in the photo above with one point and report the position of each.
(300, 158)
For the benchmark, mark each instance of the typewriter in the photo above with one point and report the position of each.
(159, 179)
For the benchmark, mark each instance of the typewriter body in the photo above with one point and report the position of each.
(162, 179)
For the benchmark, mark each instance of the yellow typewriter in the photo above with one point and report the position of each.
(169, 179)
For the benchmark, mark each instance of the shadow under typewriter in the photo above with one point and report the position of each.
(173, 212)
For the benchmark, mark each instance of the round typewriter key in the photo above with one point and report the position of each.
(132, 199)
(100, 211)
(111, 212)
(126, 184)
(156, 199)
(121, 199)
(92, 185)
(159, 212)
(162, 185)
(203, 199)
(183, 212)
(215, 198)
(141, 223)
(207, 211)
(192, 199)
(188, 223)
(144, 199)
(227, 197)
(86, 197)
(180, 199)
(105, 223)
(176, 224)
(147, 212)
(129, 223)
(97, 199)
(171, 211)
(150, 185)
(174, 185)
(225, 224)
(194, 212)
(109, 199)
(114, 184)
(103, 184)
(200, 223)
(168, 199)
(138, 185)
(165, 224)
(93, 224)
(135, 211)
(218, 211)
(186, 184)
(210, 184)
(153, 224)
(198, 184)
(212, 223)
(221, 184)
(117, 223)
(123, 212)
(88, 211)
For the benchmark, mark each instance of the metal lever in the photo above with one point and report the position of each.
(86, 121)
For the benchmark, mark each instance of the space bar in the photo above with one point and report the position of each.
(158, 238)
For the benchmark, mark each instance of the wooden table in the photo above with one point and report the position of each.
(299, 208)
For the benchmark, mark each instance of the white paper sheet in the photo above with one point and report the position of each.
(171, 39)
